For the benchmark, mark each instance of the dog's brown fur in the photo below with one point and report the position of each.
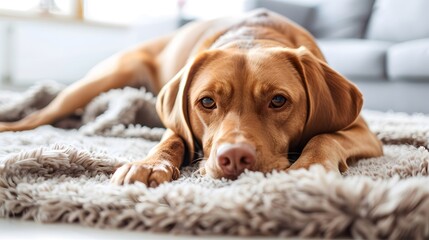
(240, 66)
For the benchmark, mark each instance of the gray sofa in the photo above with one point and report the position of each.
(380, 45)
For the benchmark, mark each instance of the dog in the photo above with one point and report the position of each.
(251, 92)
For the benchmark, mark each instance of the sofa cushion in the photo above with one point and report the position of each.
(399, 20)
(356, 58)
(409, 60)
(341, 18)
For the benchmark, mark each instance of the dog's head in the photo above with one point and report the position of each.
(249, 110)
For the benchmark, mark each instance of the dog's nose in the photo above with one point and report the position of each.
(234, 158)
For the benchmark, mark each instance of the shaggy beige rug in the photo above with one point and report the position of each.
(56, 175)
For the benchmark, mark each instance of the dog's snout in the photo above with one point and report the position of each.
(234, 158)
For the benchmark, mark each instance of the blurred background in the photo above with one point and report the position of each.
(62, 39)
(380, 45)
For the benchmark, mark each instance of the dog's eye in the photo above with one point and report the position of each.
(208, 103)
(278, 101)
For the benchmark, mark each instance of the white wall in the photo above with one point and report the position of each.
(65, 50)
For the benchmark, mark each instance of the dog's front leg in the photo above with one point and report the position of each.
(161, 165)
(324, 150)
(335, 150)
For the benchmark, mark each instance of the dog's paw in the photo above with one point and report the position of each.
(151, 173)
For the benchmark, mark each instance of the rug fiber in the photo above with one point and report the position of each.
(52, 174)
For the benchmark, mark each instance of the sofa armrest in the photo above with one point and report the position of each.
(298, 11)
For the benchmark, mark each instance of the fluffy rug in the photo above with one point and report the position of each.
(52, 174)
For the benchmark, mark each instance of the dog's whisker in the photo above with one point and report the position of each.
(199, 159)
(199, 171)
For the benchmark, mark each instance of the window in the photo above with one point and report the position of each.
(57, 7)
(128, 11)
(121, 12)
(18, 5)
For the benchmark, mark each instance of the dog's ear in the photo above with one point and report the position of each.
(172, 103)
(333, 102)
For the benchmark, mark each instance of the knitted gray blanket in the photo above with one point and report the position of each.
(51, 174)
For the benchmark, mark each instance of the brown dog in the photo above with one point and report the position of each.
(248, 92)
